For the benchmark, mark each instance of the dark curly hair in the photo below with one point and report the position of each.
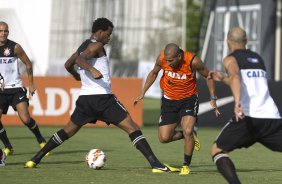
(101, 23)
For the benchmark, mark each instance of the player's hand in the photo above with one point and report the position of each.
(239, 113)
(137, 99)
(76, 77)
(96, 74)
(216, 75)
(215, 108)
(32, 90)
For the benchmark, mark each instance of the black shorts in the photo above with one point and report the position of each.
(12, 97)
(248, 131)
(90, 108)
(173, 110)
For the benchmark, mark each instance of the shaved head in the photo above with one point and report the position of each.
(237, 35)
(173, 55)
(3, 23)
(4, 32)
(171, 49)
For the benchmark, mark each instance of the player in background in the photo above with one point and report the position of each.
(12, 92)
(96, 101)
(256, 117)
(2, 158)
(180, 100)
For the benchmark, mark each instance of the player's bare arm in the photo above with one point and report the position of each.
(2, 82)
(233, 80)
(92, 50)
(199, 66)
(69, 65)
(20, 53)
(149, 80)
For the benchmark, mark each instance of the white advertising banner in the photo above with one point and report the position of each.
(144, 67)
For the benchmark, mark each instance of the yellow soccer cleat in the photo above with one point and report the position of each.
(8, 151)
(167, 168)
(185, 170)
(42, 145)
(30, 164)
(197, 145)
(172, 169)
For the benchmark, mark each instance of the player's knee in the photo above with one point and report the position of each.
(71, 129)
(164, 138)
(188, 133)
(214, 150)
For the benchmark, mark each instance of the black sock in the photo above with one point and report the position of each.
(35, 130)
(140, 142)
(57, 139)
(4, 137)
(226, 167)
(187, 159)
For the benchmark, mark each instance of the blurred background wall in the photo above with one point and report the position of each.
(29, 23)
(51, 30)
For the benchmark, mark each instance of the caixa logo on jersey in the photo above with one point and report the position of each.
(7, 60)
(176, 75)
(256, 73)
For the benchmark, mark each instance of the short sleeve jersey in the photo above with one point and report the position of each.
(180, 83)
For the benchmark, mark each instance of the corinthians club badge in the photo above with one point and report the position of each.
(7, 52)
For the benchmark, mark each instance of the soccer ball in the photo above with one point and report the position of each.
(95, 159)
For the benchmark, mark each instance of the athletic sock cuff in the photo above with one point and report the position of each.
(2, 130)
(31, 124)
(218, 156)
(136, 136)
(60, 136)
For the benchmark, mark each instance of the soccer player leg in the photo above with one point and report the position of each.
(224, 164)
(187, 124)
(167, 133)
(24, 115)
(4, 138)
(272, 140)
(2, 158)
(197, 145)
(140, 142)
(56, 140)
(168, 123)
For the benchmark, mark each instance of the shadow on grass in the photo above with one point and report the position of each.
(22, 138)
(238, 170)
(259, 170)
(127, 168)
(46, 163)
(76, 151)
(54, 152)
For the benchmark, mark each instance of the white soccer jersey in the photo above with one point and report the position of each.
(255, 98)
(9, 66)
(91, 86)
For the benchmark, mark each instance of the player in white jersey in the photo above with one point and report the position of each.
(256, 117)
(12, 92)
(2, 158)
(96, 101)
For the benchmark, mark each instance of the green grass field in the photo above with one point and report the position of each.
(125, 165)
